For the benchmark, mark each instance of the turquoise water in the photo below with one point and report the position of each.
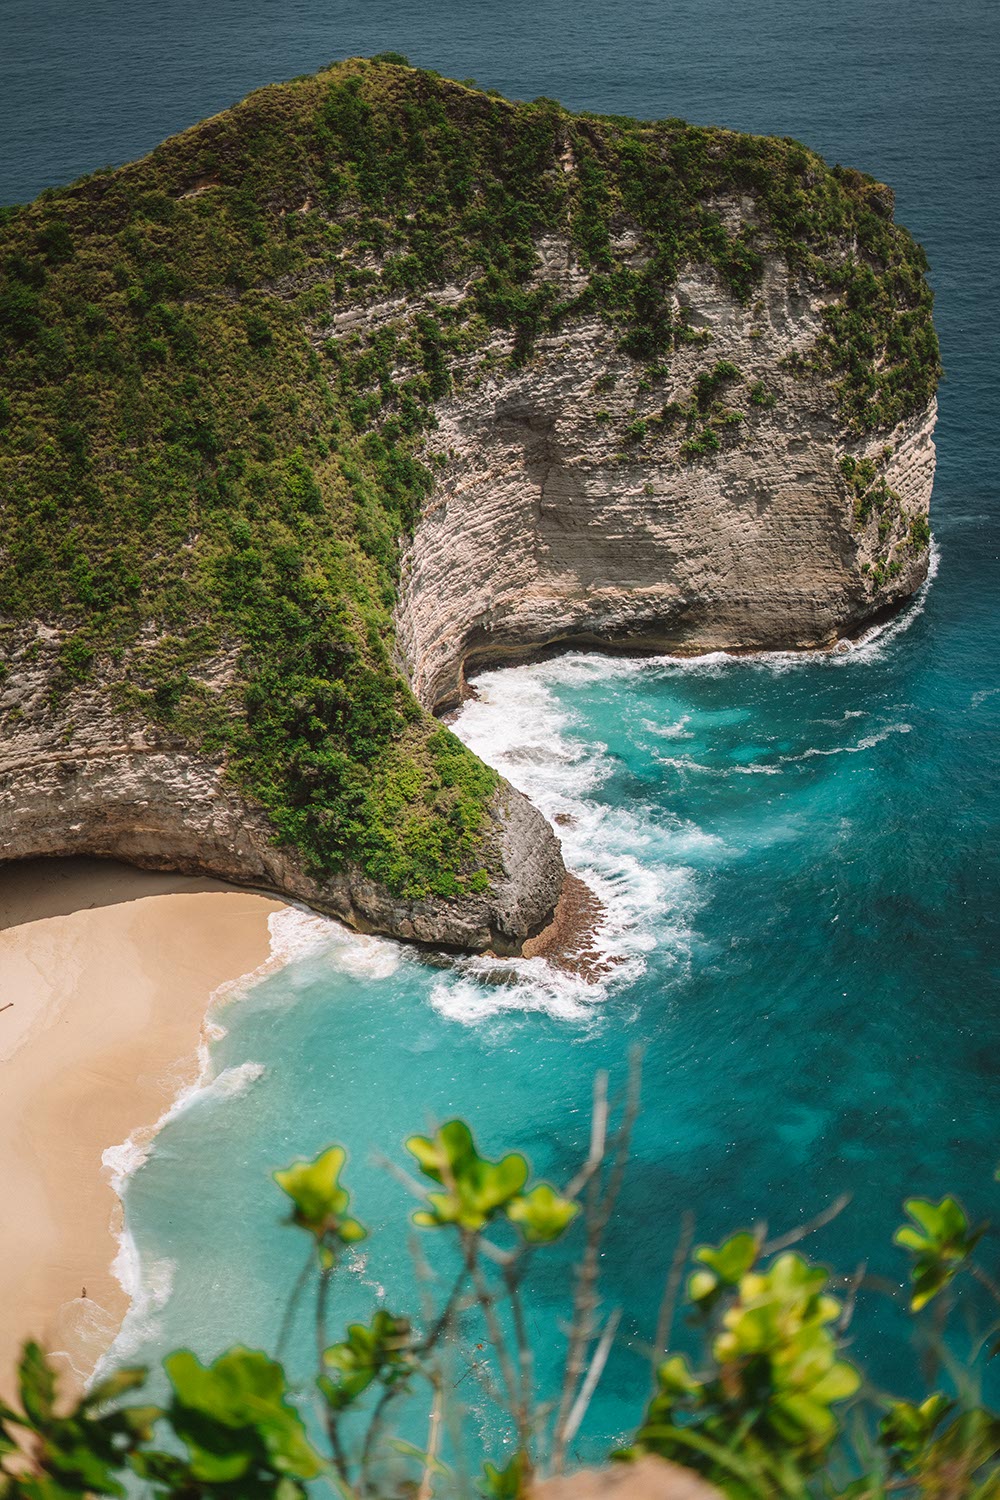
(805, 927)
(799, 858)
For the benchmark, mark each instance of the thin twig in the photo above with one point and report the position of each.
(487, 1302)
(584, 1294)
(598, 1137)
(374, 1433)
(329, 1415)
(433, 1439)
(293, 1301)
(594, 1374)
(795, 1235)
(524, 1356)
(986, 1280)
(411, 1184)
(322, 1296)
(440, 1324)
(599, 1205)
(851, 1299)
(668, 1303)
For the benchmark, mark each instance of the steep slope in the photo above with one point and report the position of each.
(375, 375)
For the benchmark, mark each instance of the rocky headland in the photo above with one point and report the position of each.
(376, 379)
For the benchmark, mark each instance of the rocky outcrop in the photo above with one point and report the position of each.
(77, 777)
(568, 512)
(637, 386)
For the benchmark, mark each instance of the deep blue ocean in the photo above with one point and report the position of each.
(799, 857)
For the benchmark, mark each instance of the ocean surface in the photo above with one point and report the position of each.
(798, 858)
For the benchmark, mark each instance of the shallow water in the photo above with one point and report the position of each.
(798, 857)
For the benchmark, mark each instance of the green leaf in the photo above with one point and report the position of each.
(675, 1379)
(427, 1460)
(726, 1264)
(971, 1441)
(128, 1378)
(320, 1200)
(234, 1416)
(476, 1189)
(36, 1385)
(368, 1352)
(940, 1244)
(732, 1259)
(507, 1483)
(908, 1427)
(542, 1215)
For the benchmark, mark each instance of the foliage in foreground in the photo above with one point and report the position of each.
(199, 464)
(763, 1402)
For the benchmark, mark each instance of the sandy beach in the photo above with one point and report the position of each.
(105, 977)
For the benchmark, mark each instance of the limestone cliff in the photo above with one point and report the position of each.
(375, 378)
(77, 777)
(567, 513)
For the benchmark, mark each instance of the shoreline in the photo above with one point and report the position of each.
(568, 942)
(108, 975)
(109, 980)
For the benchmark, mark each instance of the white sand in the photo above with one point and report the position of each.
(105, 978)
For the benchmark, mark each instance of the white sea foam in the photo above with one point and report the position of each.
(868, 647)
(632, 863)
(148, 1285)
(298, 934)
(868, 742)
(682, 763)
(295, 935)
(678, 731)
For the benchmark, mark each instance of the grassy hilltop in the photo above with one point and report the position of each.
(191, 465)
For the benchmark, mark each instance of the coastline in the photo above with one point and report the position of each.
(107, 974)
(115, 973)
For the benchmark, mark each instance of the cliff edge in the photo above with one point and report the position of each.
(376, 377)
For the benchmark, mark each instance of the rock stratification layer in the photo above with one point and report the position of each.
(375, 378)
(564, 516)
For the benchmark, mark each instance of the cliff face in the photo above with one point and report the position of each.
(567, 512)
(77, 777)
(374, 378)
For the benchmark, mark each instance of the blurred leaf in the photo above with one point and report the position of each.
(113, 1386)
(234, 1417)
(907, 1427)
(476, 1189)
(940, 1244)
(320, 1201)
(542, 1215)
(675, 1378)
(507, 1483)
(726, 1264)
(36, 1385)
(366, 1353)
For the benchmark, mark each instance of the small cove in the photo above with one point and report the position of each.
(798, 856)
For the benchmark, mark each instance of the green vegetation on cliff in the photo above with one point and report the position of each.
(194, 463)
